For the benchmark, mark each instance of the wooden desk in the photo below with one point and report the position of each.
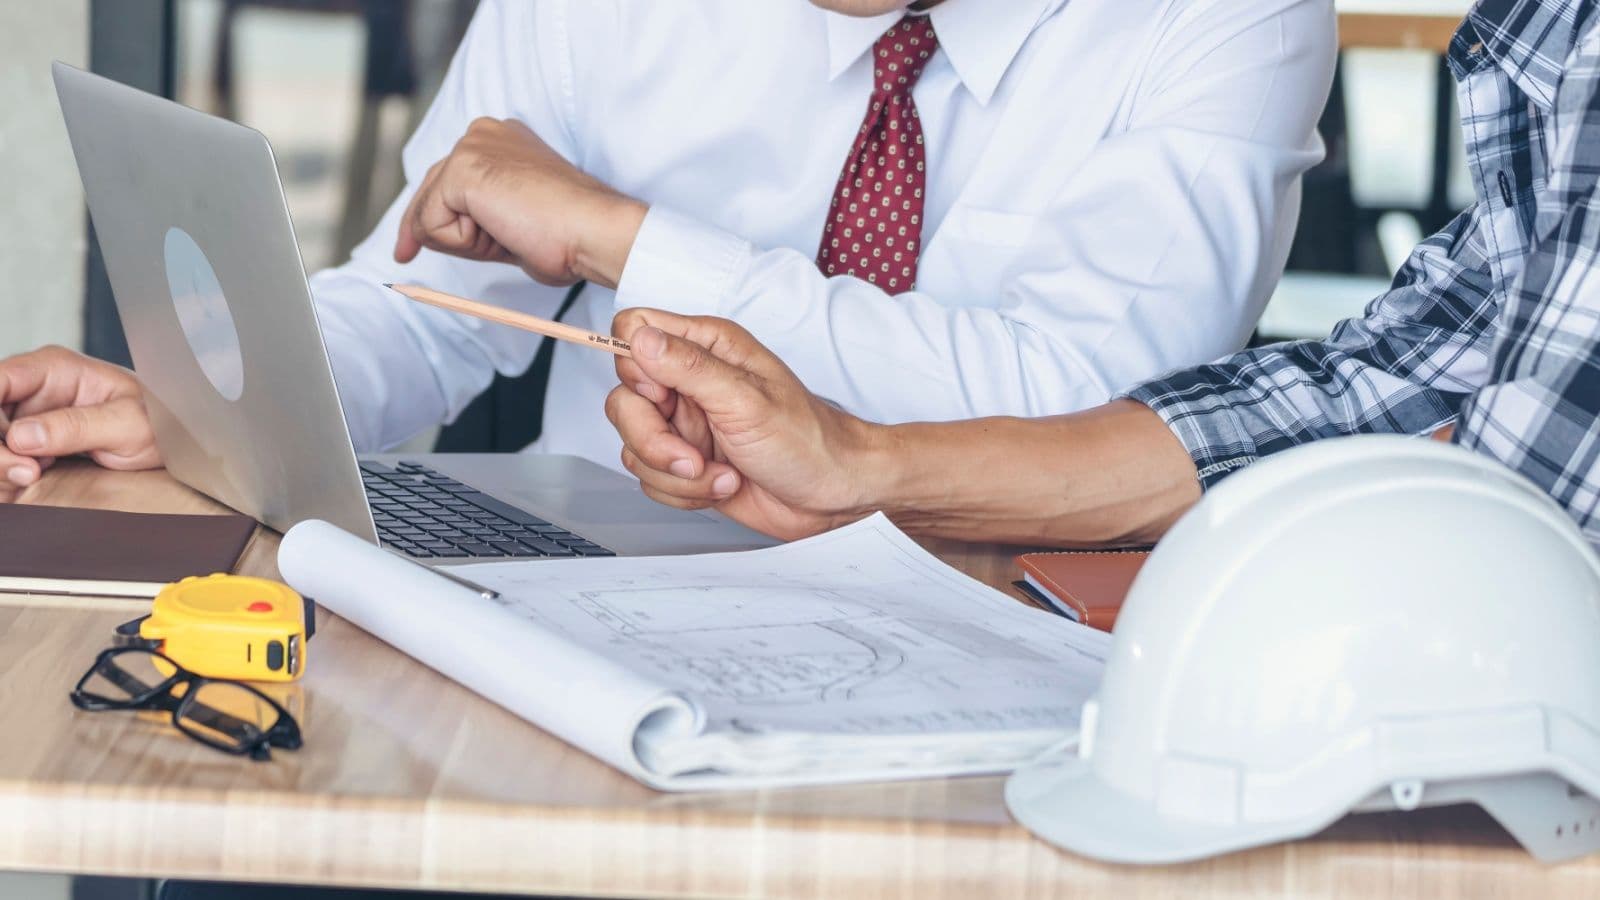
(408, 780)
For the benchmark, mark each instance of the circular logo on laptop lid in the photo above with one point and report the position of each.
(203, 313)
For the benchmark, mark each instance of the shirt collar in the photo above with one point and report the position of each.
(979, 38)
(1529, 40)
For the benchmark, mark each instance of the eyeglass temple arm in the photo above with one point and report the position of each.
(124, 679)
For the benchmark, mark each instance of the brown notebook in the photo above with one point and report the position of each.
(61, 550)
(1087, 586)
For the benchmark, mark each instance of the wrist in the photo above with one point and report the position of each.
(605, 237)
(874, 470)
(1111, 475)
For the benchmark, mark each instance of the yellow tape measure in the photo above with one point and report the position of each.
(230, 626)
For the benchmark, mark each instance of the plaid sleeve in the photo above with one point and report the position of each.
(1403, 367)
(1538, 413)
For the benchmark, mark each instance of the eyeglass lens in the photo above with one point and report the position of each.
(126, 678)
(226, 715)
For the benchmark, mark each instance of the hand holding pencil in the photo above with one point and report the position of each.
(503, 316)
(710, 418)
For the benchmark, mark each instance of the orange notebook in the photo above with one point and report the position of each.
(1086, 586)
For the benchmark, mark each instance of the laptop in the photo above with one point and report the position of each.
(202, 258)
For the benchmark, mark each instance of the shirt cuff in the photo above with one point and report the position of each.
(682, 265)
(1203, 422)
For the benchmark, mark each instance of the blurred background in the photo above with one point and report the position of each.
(337, 84)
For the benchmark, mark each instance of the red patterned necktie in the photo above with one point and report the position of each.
(874, 228)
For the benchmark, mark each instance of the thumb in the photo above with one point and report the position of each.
(695, 372)
(117, 434)
(406, 245)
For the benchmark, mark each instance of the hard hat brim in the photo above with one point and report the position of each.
(1065, 803)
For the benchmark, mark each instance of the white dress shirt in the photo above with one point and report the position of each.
(1112, 188)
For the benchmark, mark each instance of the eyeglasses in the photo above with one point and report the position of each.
(224, 715)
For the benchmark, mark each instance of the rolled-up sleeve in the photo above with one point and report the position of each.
(1404, 367)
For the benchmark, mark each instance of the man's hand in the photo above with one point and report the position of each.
(62, 403)
(503, 195)
(710, 418)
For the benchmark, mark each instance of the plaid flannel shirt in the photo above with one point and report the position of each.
(1494, 322)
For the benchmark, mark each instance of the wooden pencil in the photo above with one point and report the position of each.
(504, 316)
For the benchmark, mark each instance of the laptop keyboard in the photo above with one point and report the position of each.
(422, 512)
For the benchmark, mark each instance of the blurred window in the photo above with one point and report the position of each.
(336, 85)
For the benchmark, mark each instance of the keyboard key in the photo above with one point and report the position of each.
(589, 549)
(473, 548)
(505, 510)
(548, 548)
(414, 503)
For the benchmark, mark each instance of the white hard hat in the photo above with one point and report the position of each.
(1362, 623)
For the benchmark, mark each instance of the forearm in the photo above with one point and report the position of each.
(1113, 474)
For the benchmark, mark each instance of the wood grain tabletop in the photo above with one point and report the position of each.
(408, 780)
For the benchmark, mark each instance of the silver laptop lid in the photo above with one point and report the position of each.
(202, 258)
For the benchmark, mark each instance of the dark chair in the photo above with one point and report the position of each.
(510, 414)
